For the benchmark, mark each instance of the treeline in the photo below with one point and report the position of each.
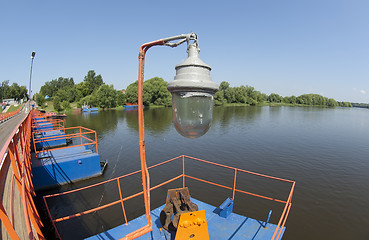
(92, 91)
(12, 91)
(360, 105)
(248, 95)
(95, 93)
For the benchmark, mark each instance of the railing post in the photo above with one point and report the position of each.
(97, 150)
(7, 224)
(234, 184)
(121, 201)
(183, 172)
(80, 134)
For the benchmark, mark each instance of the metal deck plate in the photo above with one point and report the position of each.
(235, 227)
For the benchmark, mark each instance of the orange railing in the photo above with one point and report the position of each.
(80, 136)
(56, 123)
(183, 175)
(16, 160)
(5, 116)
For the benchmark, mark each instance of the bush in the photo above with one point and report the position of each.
(57, 105)
(65, 104)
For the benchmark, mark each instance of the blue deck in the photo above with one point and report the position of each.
(233, 227)
(59, 139)
(43, 126)
(62, 166)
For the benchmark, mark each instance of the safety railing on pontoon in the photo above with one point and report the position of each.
(55, 124)
(16, 161)
(80, 136)
(184, 175)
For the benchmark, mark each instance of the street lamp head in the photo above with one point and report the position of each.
(192, 95)
(33, 55)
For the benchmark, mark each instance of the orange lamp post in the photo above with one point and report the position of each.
(191, 84)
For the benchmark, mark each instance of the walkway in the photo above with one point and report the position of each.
(7, 127)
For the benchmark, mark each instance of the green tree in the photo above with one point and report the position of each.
(275, 98)
(344, 104)
(106, 96)
(23, 92)
(91, 82)
(230, 95)
(40, 99)
(4, 89)
(65, 105)
(131, 92)
(219, 98)
(90, 100)
(331, 102)
(13, 91)
(52, 87)
(155, 92)
(121, 98)
(223, 86)
(57, 104)
(261, 97)
(62, 95)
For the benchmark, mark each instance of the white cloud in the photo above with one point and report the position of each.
(362, 91)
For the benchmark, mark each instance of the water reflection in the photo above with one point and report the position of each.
(157, 120)
(101, 121)
(228, 115)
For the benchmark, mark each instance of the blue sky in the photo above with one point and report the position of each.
(289, 47)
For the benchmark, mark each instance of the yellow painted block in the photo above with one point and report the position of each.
(192, 226)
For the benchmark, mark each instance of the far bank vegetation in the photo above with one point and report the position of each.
(64, 94)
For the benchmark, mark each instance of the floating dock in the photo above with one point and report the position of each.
(90, 109)
(235, 227)
(222, 223)
(131, 107)
(54, 163)
(64, 166)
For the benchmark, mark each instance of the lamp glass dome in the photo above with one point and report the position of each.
(192, 113)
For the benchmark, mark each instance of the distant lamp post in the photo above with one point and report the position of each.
(192, 94)
(30, 75)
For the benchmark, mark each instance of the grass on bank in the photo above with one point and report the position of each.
(49, 107)
(12, 108)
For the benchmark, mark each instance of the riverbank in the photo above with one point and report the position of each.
(49, 107)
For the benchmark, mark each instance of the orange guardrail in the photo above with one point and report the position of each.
(16, 157)
(56, 123)
(183, 175)
(5, 116)
(85, 137)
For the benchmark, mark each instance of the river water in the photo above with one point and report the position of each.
(326, 151)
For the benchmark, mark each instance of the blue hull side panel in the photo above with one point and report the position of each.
(235, 227)
(63, 166)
